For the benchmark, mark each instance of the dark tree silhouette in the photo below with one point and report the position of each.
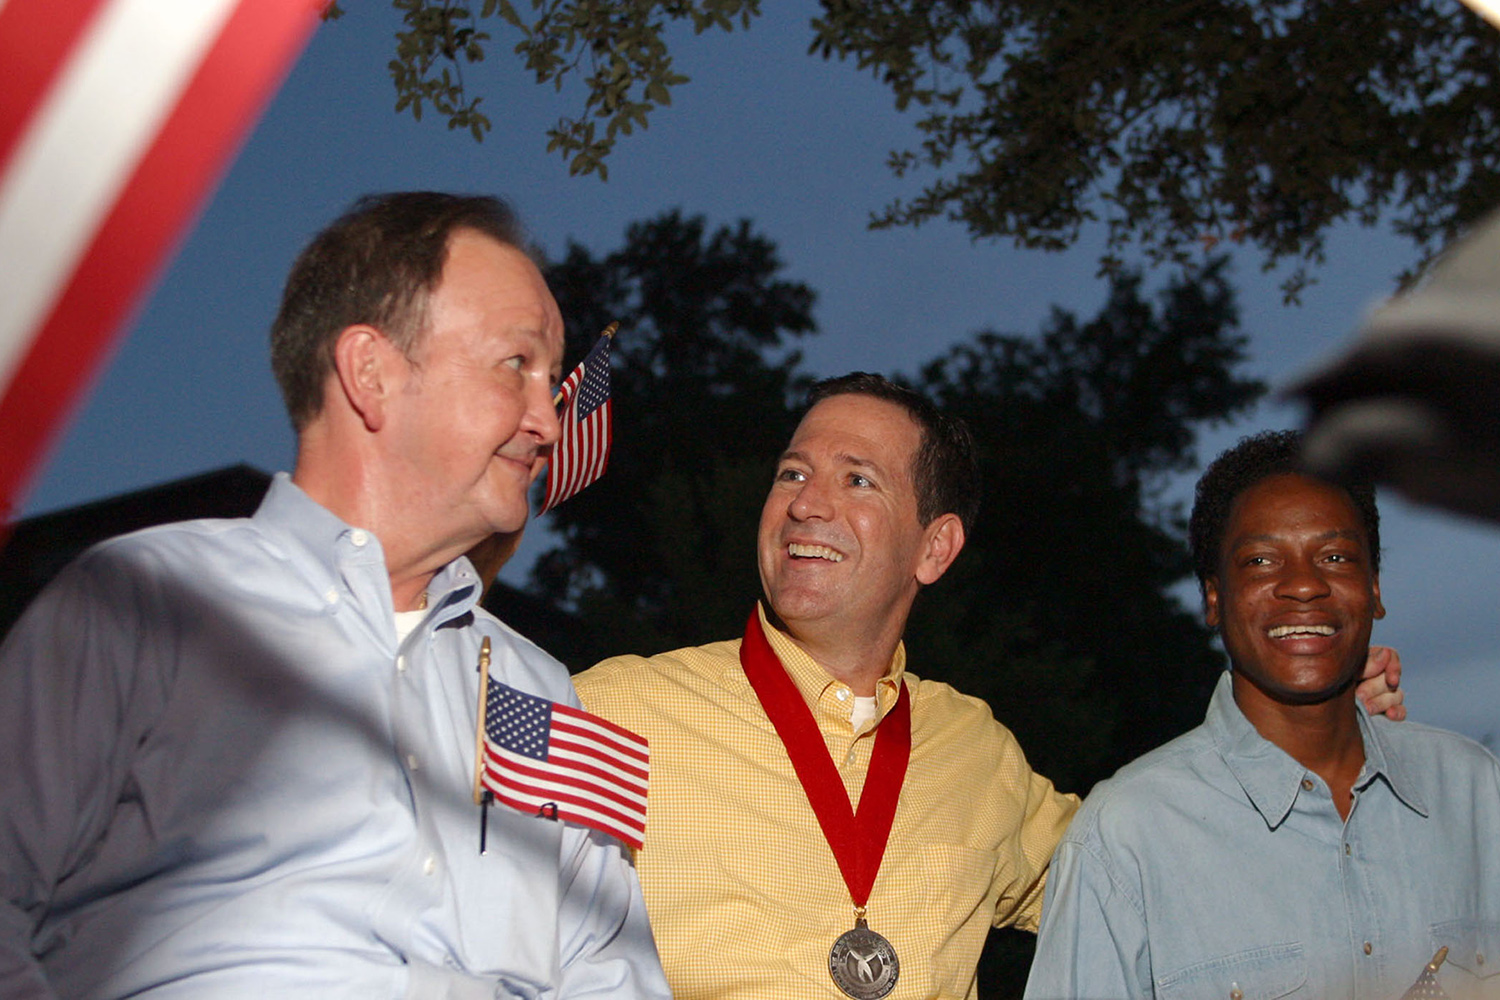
(663, 546)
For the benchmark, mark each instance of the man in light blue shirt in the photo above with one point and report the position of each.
(239, 755)
(1290, 846)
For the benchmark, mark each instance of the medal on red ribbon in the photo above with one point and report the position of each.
(862, 963)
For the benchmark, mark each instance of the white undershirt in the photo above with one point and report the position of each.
(406, 623)
(863, 712)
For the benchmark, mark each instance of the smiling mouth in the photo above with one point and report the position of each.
(800, 551)
(1286, 631)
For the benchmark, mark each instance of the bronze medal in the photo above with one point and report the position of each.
(863, 964)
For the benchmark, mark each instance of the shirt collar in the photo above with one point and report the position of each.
(288, 512)
(1382, 762)
(1272, 779)
(812, 680)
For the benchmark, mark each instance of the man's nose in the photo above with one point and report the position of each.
(1302, 580)
(811, 502)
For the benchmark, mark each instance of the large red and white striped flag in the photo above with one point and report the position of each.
(116, 119)
(582, 453)
(557, 761)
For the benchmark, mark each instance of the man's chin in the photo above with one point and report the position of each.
(1307, 691)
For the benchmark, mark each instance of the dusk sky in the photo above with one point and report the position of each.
(766, 132)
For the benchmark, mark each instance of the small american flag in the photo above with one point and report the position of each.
(1426, 987)
(563, 763)
(581, 454)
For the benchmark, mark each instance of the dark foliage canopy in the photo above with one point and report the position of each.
(1178, 124)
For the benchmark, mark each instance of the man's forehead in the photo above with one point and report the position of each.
(1292, 505)
(858, 415)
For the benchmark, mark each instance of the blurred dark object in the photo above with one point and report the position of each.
(39, 546)
(1414, 404)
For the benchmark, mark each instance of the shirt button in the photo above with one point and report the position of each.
(1369, 947)
(401, 664)
(331, 596)
(359, 538)
(843, 694)
(430, 865)
(1235, 993)
(1479, 958)
(1346, 850)
(849, 759)
(1307, 784)
(411, 761)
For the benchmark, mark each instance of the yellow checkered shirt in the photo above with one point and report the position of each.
(744, 894)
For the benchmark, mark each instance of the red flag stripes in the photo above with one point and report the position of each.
(116, 118)
(582, 453)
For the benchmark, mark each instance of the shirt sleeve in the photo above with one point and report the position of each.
(604, 938)
(67, 687)
(1046, 813)
(1092, 943)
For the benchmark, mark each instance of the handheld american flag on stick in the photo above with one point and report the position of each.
(581, 454)
(552, 760)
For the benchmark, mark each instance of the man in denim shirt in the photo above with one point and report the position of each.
(1289, 846)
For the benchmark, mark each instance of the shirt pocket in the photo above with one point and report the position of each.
(1473, 957)
(1264, 973)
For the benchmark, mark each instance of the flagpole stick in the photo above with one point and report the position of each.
(484, 691)
(484, 820)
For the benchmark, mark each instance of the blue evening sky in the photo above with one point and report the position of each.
(764, 131)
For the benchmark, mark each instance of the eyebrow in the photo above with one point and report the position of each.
(1326, 536)
(841, 458)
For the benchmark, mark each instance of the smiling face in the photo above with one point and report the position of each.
(841, 550)
(1295, 594)
(473, 422)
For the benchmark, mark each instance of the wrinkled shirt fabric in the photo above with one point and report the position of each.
(1218, 867)
(225, 778)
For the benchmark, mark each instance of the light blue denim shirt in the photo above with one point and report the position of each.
(224, 778)
(1218, 868)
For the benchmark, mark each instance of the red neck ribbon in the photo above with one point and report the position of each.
(857, 839)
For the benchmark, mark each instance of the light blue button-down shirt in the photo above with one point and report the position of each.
(223, 777)
(1217, 867)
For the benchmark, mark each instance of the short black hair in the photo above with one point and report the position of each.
(376, 264)
(1253, 459)
(945, 469)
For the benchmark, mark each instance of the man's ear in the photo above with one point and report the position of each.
(944, 541)
(1211, 602)
(361, 362)
(1379, 608)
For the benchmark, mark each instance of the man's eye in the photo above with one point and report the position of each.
(515, 363)
(789, 476)
(855, 479)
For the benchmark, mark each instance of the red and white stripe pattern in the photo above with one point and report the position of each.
(560, 762)
(116, 118)
(582, 453)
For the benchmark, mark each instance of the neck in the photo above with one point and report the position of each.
(858, 663)
(1323, 737)
(349, 491)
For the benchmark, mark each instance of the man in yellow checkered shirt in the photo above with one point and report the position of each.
(760, 880)
(870, 502)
